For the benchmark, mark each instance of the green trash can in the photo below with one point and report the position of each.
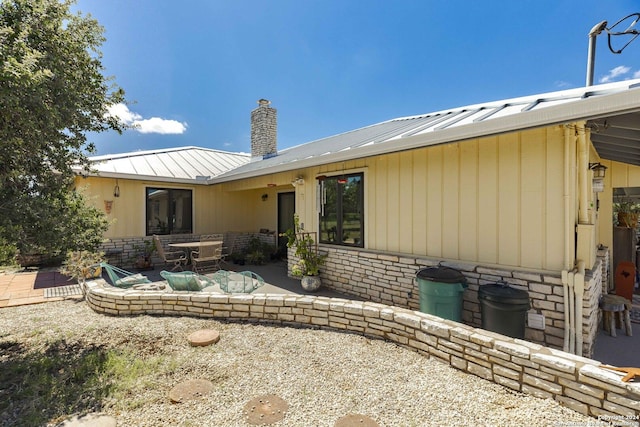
(503, 309)
(441, 291)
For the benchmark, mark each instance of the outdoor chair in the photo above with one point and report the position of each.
(122, 278)
(207, 255)
(175, 258)
(186, 280)
(238, 282)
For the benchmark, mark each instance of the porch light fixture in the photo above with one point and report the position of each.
(265, 196)
(116, 190)
(599, 171)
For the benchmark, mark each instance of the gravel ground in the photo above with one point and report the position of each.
(322, 375)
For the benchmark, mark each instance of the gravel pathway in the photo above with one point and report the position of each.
(322, 375)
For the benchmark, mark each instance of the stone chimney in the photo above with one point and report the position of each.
(263, 131)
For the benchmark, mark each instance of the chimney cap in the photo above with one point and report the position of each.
(263, 101)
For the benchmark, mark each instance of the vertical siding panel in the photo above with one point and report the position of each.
(619, 175)
(381, 202)
(488, 201)
(633, 176)
(468, 201)
(420, 190)
(555, 235)
(450, 201)
(405, 206)
(508, 199)
(434, 202)
(532, 236)
(371, 179)
(393, 203)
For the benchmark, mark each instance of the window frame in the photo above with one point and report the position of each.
(321, 201)
(171, 205)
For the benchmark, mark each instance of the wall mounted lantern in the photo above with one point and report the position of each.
(265, 196)
(116, 190)
(599, 171)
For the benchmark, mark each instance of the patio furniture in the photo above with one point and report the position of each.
(186, 280)
(207, 255)
(122, 278)
(175, 258)
(238, 282)
(615, 312)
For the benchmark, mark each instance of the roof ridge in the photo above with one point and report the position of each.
(162, 150)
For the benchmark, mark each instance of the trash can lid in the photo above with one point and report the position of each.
(502, 292)
(442, 275)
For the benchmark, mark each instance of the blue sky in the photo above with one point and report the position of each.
(193, 70)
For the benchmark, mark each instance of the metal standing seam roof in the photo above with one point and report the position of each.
(601, 105)
(453, 125)
(183, 164)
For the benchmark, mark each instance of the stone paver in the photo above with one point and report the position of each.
(191, 389)
(204, 337)
(266, 409)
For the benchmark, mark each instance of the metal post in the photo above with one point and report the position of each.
(595, 31)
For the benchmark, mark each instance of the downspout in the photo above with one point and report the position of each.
(567, 315)
(579, 291)
(583, 168)
(569, 227)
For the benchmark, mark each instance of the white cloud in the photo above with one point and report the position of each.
(636, 75)
(615, 73)
(142, 125)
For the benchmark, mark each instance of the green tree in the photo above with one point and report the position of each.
(52, 93)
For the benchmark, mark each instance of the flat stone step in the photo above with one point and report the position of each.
(204, 337)
(190, 389)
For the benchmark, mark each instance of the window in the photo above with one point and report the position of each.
(169, 211)
(341, 201)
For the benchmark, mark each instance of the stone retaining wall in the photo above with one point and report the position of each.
(124, 251)
(390, 279)
(578, 383)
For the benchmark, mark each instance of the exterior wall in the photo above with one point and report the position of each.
(497, 200)
(221, 207)
(578, 383)
(389, 278)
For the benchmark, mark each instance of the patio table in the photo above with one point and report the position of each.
(196, 245)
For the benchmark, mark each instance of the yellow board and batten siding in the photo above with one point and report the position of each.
(495, 200)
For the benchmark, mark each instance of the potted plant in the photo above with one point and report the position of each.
(309, 260)
(627, 214)
(82, 265)
(144, 253)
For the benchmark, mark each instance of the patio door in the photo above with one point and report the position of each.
(286, 210)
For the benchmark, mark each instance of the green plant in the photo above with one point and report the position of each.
(80, 265)
(256, 257)
(309, 260)
(146, 249)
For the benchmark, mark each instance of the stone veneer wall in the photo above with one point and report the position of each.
(127, 247)
(578, 383)
(390, 279)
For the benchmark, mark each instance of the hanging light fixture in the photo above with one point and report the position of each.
(116, 190)
(599, 171)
